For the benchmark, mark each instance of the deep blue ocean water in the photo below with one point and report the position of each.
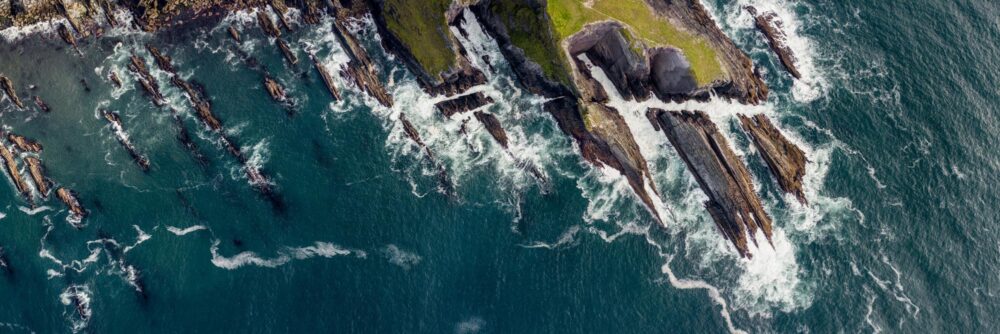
(896, 111)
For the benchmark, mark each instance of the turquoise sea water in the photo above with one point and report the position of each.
(896, 111)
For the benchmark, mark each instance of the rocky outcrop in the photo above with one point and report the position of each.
(327, 79)
(267, 24)
(732, 202)
(234, 34)
(274, 89)
(463, 104)
(23, 143)
(69, 198)
(286, 52)
(14, 173)
(786, 161)
(119, 130)
(146, 80)
(115, 79)
(360, 68)
(41, 104)
(413, 134)
(67, 36)
(770, 25)
(37, 172)
(8, 87)
(162, 61)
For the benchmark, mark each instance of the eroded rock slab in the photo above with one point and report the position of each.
(69, 198)
(24, 143)
(37, 172)
(360, 68)
(732, 202)
(786, 161)
(327, 79)
(463, 104)
(146, 80)
(119, 130)
(770, 25)
(8, 87)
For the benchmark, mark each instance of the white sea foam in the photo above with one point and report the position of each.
(34, 211)
(141, 237)
(470, 326)
(48, 27)
(401, 258)
(285, 255)
(181, 232)
(78, 298)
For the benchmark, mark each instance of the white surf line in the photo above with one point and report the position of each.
(284, 255)
(182, 232)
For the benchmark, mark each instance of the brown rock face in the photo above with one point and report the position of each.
(785, 160)
(770, 25)
(23, 143)
(8, 87)
(68, 197)
(146, 80)
(327, 79)
(286, 52)
(15, 175)
(115, 79)
(493, 126)
(360, 69)
(41, 104)
(733, 204)
(463, 104)
(234, 34)
(38, 175)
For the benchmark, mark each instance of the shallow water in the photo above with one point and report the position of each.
(896, 236)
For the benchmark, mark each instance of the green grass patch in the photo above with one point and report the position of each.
(532, 33)
(569, 17)
(423, 28)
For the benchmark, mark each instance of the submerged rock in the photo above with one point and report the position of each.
(119, 130)
(786, 161)
(235, 34)
(8, 87)
(411, 131)
(770, 25)
(274, 89)
(732, 202)
(463, 104)
(41, 104)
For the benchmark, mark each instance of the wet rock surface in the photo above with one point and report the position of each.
(733, 204)
(414, 135)
(15, 174)
(69, 198)
(360, 68)
(327, 79)
(24, 143)
(785, 160)
(146, 80)
(123, 139)
(463, 104)
(8, 88)
(37, 172)
(770, 25)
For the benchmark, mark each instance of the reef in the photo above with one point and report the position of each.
(119, 130)
(23, 143)
(15, 174)
(38, 175)
(327, 79)
(69, 198)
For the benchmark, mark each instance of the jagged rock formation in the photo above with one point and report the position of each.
(360, 68)
(413, 134)
(162, 61)
(267, 25)
(37, 172)
(115, 79)
(119, 130)
(327, 79)
(15, 174)
(234, 34)
(146, 80)
(733, 204)
(8, 87)
(463, 104)
(23, 143)
(68, 37)
(786, 161)
(274, 89)
(69, 198)
(493, 126)
(770, 25)
(286, 52)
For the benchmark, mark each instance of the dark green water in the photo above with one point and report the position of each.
(896, 112)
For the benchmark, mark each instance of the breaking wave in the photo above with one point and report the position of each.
(284, 256)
